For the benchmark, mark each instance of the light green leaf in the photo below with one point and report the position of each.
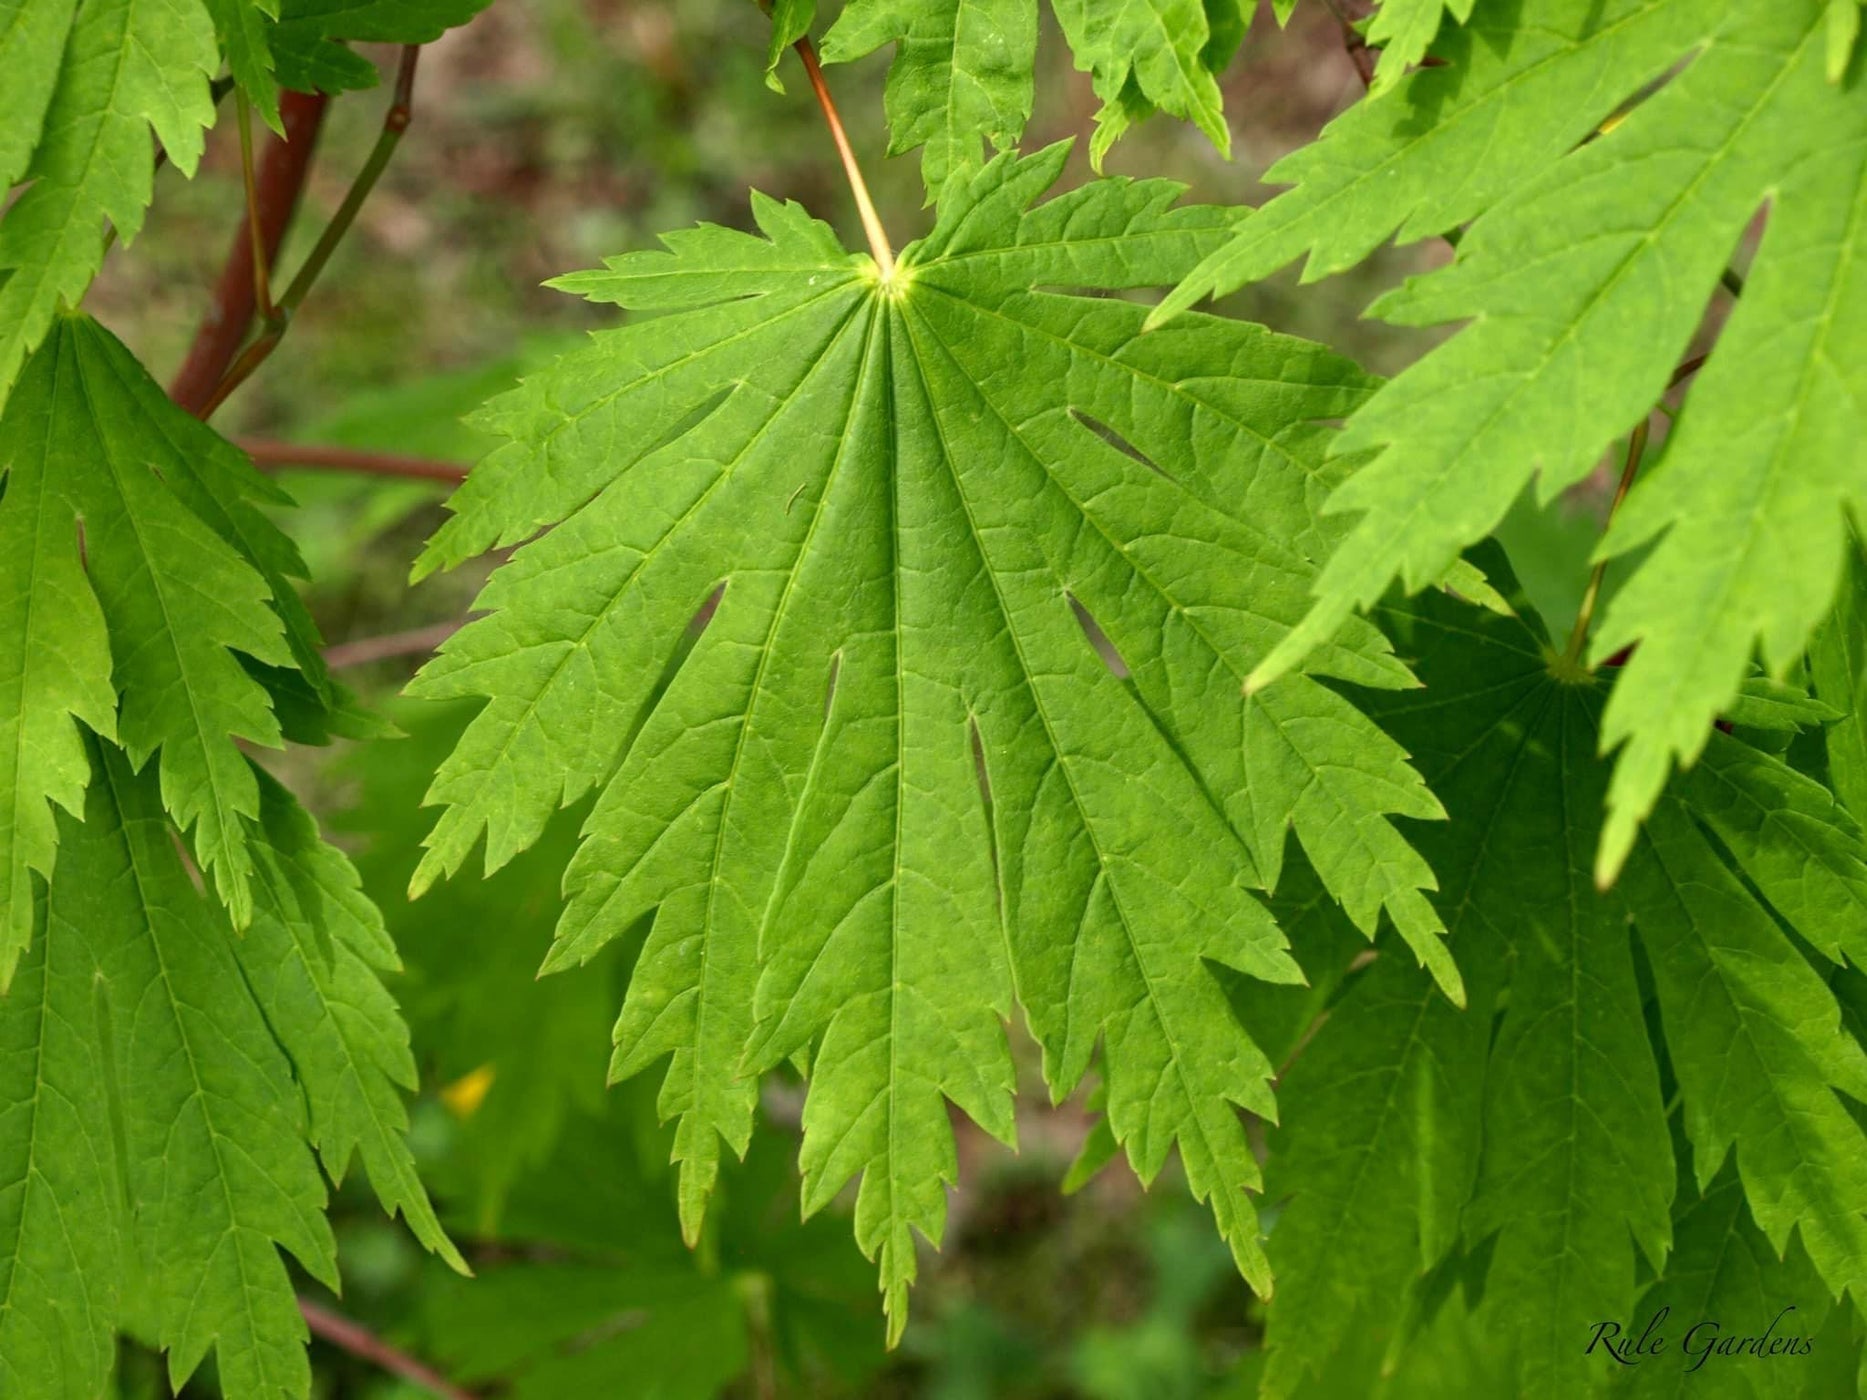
(790, 21)
(961, 73)
(244, 28)
(64, 1225)
(900, 629)
(1585, 285)
(311, 36)
(1518, 88)
(1800, 848)
(54, 670)
(1758, 1047)
(1159, 45)
(129, 66)
(1408, 1124)
(216, 1171)
(164, 528)
(1844, 29)
(1402, 31)
(32, 43)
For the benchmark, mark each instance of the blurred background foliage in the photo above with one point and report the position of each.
(548, 134)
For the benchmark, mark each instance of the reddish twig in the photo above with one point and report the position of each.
(268, 453)
(364, 1344)
(865, 207)
(395, 122)
(1636, 449)
(277, 184)
(417, 641)
(1359, 53)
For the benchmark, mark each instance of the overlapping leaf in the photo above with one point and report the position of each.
(962, 73)
(141, 583)
(1389, 1105)
(86, 84)
(148, 624)
(1403, 29)
(891, 778)
(1542, 1146)
(1586, 276)
(154, 1136)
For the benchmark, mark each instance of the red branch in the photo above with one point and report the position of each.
(417, 641)
(279, 181)
(267, 453)
(364, 1344)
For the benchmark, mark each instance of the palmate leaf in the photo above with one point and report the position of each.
(155, 1073)
(86, 84)
(139, 576)
(1586, 275)
(891, 782)
(1725, 1279)
(1838, 667)
(963, 68)
(1412, 1130)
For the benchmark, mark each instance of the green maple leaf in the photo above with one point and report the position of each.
(139, 976)
(245, 28)
(140, 568)
(1723, 1271)
(1585, 276)
(1403, 30)
(963, 68)
(890, 778)
(311, 36)
(1412, 1128)
(94, 81)
(163, 1083)
(87, 84)
(1162, 52)
(1838, 665)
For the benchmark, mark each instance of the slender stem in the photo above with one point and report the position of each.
(268, 453)
(865, 207)
(283, 169)
(395, 122)
(1357, 47)
(365, 1345)
(256, 238)
(417, 641)
(1636, 447)
(1731, 282)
